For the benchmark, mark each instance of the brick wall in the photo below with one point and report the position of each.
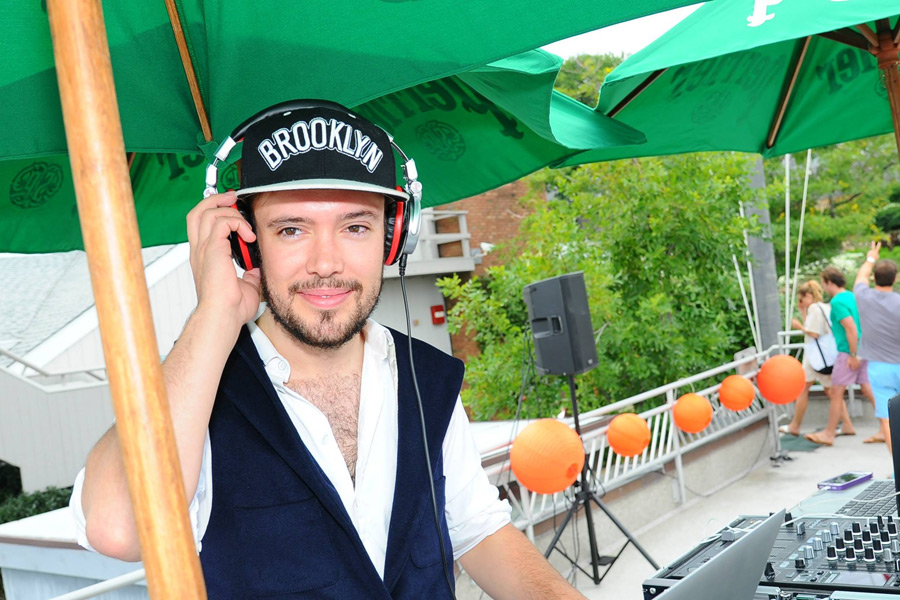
(493, 217)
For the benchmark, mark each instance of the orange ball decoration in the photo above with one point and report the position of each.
(781, 379)
(628, 434)
(692, 413)
(547, 456)
(736, 393)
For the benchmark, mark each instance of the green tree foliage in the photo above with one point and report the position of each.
(849, 183)
(654, 238)
(888, 218)
(580, 77)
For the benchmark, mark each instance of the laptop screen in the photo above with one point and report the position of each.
(744, 561)
(894, 416)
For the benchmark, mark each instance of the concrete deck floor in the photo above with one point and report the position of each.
(766, 488)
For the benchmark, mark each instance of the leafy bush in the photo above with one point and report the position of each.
(655, 239)
(35, 503)
(888, 218)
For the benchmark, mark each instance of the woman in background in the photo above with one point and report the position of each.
(816, 321)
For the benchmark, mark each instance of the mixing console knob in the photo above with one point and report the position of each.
(827, 536)
(895, 546)
(873, 526)
(856, 527)
(869, 556)
(858, 545)
(897, 564)
(801, 528)
(888, 557)
(885, 536)
(808, 552)
(831, 554)
(800, 563)
(817, 545)
(892, 529)
(769, 573)
(839, 544)
(877, 545)
(867, 536)
(835, 528)
(880, 522)
(851, 555)
(848, 535)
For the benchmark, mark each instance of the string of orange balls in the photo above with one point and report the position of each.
(548, 455)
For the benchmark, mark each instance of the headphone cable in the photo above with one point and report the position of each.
(412, 369)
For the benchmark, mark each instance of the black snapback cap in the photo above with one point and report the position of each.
(321, 146)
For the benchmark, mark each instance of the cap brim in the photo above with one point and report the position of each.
(324, 184)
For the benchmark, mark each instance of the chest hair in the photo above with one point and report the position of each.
(337, 396)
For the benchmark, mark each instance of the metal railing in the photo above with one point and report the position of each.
(116, 583)
(40, 376)
(668, 444)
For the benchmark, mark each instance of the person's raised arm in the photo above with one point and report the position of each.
(192, 371)
(865, 270)
(507, 566)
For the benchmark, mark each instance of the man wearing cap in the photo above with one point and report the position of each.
(298, 427)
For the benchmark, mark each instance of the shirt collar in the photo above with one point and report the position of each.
(378, 341)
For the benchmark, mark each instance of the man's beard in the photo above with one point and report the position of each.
(325, 332)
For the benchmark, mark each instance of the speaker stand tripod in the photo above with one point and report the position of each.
(583, 498)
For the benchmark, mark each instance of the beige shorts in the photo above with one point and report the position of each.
(812, 375)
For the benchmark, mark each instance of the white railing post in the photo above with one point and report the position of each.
(676, 440)
(92, 591)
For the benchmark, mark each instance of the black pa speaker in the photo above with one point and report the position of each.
(561, 325)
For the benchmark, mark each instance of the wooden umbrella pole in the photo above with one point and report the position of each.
(888, 62)
(111, 239)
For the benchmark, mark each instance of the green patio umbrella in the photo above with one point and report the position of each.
(243, 56)
(468, 133)
(763, 76)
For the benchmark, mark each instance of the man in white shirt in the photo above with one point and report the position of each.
(299, 436)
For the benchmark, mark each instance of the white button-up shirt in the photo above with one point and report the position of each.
(473, 508)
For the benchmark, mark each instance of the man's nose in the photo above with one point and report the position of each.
(325, 258)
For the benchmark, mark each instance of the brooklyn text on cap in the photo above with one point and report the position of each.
(322, 146)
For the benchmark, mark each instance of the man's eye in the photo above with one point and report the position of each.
(357, 229)
(289, 232)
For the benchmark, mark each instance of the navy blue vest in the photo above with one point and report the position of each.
(278, 526)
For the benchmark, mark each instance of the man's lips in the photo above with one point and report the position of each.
(325, 298)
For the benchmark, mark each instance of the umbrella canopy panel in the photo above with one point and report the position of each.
(719, 79)
(468, 133)
(249, 55)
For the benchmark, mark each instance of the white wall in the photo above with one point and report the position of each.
(172, 299)
(422, 295)
(48, 432)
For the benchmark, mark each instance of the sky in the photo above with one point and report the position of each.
(626, 38)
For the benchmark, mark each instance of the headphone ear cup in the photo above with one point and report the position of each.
(244, 254)
(396, 226)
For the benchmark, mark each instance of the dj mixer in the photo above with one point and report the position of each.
(815, 556)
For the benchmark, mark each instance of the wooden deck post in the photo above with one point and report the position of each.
(111, 239)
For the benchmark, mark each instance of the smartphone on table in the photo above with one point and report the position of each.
(845, 480)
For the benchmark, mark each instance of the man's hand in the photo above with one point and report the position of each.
(865, 270)
(874, 251)
(218, 288)
(853, 363)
